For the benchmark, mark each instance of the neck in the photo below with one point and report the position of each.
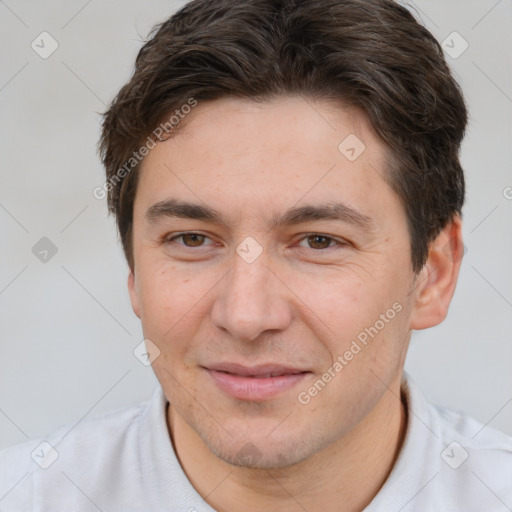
(346, 475)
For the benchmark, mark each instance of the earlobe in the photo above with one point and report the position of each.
(134, 296)
(435, 284)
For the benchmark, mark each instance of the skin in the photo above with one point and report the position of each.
(302, 302)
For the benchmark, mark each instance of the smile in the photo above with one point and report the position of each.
(255, 383)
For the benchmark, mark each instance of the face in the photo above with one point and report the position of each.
(279, 297)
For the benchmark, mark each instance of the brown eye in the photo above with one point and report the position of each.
(319, 241)
(192, 239)
(188, 240)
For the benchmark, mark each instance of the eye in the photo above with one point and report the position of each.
(189, 239)
(318, 241)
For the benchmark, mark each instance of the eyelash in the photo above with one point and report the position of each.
(340, 243)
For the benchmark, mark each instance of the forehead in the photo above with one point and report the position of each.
(296, 123)
(247, 155)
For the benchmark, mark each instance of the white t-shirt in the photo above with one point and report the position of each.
(124, 461)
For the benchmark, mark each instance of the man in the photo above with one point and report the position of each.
(286, 184)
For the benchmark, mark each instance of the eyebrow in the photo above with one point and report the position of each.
(170, 208)
(329, 211)
(184, 210)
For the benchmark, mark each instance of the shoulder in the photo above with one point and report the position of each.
(471, 461)
(99, 429)
(478, 452)
(451, 425)
(449, 461)
(93, 446)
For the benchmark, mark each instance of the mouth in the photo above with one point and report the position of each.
(255, 383)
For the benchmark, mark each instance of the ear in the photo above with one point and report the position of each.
(134, 294)
(435, 283)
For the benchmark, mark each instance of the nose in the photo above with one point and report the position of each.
(251, 300)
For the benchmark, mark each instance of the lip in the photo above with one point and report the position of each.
(256, 383)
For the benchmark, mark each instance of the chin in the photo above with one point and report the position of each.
(258, 450)
(250, 456)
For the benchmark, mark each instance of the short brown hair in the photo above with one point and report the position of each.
(371, 54)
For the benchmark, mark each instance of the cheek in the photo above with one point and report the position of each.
(173, 304)
(360, 314)
(163, 302)
(166, 293)
(343, 301)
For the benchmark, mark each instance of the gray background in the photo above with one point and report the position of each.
(67, 329)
